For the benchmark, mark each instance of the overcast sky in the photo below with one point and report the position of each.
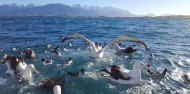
(158, 7)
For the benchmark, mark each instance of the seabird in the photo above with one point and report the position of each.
(76, 74)
(64, 49)
(1, 49)
(70, 44)
(20, 52)
(57, 52)
(78, 48)
(46, 62)
(29, 53)
(48, 45)
(13, 48)
(94, 52)
(17, 67)
(26, 74)
(125, 76)
(45, 50)
(68, 62)
(150, 72)
(124, 51)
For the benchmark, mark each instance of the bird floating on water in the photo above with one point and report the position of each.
(47, 62)
(125, 76)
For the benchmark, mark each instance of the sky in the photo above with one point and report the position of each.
(141, 7)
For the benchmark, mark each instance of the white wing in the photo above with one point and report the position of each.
(77, 35)
(122, 38)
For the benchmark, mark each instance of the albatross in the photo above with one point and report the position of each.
(17, 67)
(125, 76)
(124, 51)
(26, 74)
(94, 51)
(128, 50)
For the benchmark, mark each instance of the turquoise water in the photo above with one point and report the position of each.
(168, 38)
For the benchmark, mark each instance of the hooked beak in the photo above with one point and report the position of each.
(36, 71)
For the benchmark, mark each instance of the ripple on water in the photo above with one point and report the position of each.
(168, 38)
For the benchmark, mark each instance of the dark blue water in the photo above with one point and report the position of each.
(168, 38)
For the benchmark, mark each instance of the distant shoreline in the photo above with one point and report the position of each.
(59, 16)
(67, 11)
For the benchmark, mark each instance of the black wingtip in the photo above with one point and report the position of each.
(64, 39)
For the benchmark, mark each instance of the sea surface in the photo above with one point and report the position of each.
(168, 37)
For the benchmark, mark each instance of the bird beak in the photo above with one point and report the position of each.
(36, 71)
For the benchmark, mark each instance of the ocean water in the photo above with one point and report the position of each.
(168, 38)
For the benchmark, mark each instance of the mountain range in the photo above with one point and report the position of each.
(62, 10)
